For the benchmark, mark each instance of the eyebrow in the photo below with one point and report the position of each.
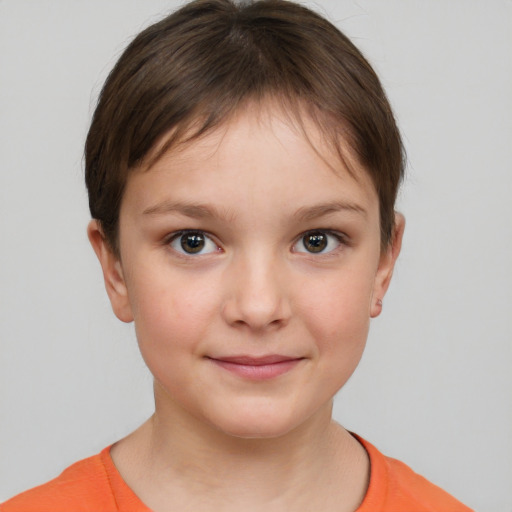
(192, 210)
(313, 212)
(202, 211)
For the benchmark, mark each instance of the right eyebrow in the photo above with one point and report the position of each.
(192, 210)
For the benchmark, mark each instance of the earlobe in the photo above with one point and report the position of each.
(386, 265)
(112, 272)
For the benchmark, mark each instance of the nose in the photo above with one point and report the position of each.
(257, 296)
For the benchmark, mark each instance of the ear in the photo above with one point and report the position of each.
(386, 265)
(112, 272)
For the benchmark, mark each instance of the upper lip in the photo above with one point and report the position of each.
(255, 361)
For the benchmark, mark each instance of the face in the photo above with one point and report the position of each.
(251, 265)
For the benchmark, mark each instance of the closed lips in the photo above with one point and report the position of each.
(256, 368)
(255, 361)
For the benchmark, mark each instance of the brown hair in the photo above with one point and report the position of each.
(191, 71)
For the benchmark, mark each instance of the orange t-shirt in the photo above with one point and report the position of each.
(95, 485)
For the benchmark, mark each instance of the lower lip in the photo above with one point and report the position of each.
(258, 372)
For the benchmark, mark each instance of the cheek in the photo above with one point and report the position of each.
(338, 321)
(337, 312)
(171, 312)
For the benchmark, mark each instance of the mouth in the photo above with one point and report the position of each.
(257, 368)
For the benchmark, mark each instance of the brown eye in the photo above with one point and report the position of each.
(319, 242)
(192, 243)
(315, 242)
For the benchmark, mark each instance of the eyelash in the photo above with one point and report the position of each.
(341, 238)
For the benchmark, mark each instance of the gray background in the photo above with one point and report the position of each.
(434, 387)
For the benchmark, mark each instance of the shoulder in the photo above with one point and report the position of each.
(84, 486)
(407, 485)
(395, 487)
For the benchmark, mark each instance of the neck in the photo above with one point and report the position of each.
(181, 456)
(214, 457)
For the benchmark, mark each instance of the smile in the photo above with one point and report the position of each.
(257, 368)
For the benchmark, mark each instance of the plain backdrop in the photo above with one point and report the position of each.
(434, 387)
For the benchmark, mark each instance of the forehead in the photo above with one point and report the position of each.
(261, 152)
(326, 134)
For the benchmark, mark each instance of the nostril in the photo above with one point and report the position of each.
(256, 297)
(255, 315)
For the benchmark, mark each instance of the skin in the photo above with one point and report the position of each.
(219, 440)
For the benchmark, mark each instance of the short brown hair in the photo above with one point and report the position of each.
(204, 61)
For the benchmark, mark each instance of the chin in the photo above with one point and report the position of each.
(262, 425)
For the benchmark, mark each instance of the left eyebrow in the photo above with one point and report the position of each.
(313, 212)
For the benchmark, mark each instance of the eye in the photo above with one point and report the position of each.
(193, 242)
(318, 242)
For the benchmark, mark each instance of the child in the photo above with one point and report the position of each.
(242, 167)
